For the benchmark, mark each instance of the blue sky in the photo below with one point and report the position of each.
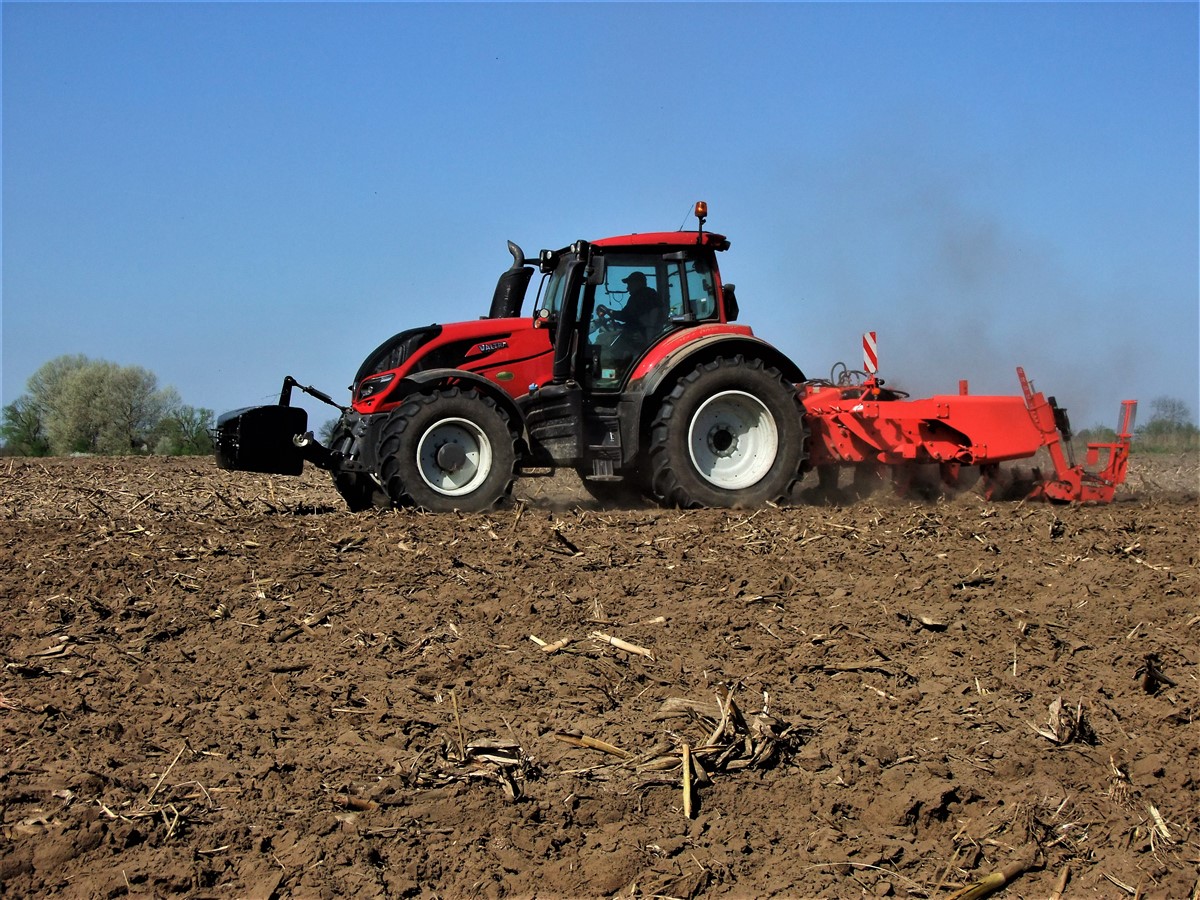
(229, 193)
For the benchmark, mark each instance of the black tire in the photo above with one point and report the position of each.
(449, 450)
(730, 434)
(358, 489)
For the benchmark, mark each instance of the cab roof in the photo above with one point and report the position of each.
(679, 239)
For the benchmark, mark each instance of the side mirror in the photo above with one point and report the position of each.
(731, 304)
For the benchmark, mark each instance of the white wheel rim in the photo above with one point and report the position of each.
(475, 446)
(733, 440)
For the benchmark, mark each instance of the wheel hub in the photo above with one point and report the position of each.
(733, 440)
(451, 457)
(722, 441)
(454, 456)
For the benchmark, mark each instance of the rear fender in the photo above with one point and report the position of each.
(652, 373)
(655, 378)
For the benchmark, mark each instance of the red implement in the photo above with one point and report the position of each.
(869, 423)
(1070, 481)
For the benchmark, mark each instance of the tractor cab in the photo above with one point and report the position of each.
(607, 302)
(610, 301)
(639, 298)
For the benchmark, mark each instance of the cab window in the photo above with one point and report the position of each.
(641, 298)
(692, 289)
(553, 298)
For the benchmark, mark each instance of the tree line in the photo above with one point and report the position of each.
(74, 404)
(1169, 428)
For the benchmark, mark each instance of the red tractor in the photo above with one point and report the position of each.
(631, 370)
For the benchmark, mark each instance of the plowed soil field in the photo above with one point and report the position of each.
(224, 685)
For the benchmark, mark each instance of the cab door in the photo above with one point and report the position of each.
(615, 336)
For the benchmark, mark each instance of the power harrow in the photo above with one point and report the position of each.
(854, 419)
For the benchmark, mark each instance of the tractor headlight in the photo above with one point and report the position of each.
(369, 387)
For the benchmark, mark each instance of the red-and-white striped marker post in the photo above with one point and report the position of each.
(870, 354)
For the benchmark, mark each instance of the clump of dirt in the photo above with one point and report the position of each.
(222, 684)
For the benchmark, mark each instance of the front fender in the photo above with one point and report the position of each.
(419, 382)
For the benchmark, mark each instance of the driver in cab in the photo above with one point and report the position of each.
(642, 311)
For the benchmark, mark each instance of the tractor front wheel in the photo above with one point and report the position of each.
(358, 489)
(730, 434)
(448, 450)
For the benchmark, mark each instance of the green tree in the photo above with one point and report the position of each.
(327, 429)
(185, 431)
(1169, 414)
(78, 405)
(134, 407)
(22, 430)
(1170, 426)
(45, 385)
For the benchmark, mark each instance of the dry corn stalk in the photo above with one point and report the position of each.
(734, 742)
(591, 743)
(1060, 886)
(1066, 725)
(501, 752)
(687, 781)
(681, 706)
(989, 884)
(622, 645)
(551, 647)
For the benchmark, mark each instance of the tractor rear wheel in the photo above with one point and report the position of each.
(448, 450)
(730, 434)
